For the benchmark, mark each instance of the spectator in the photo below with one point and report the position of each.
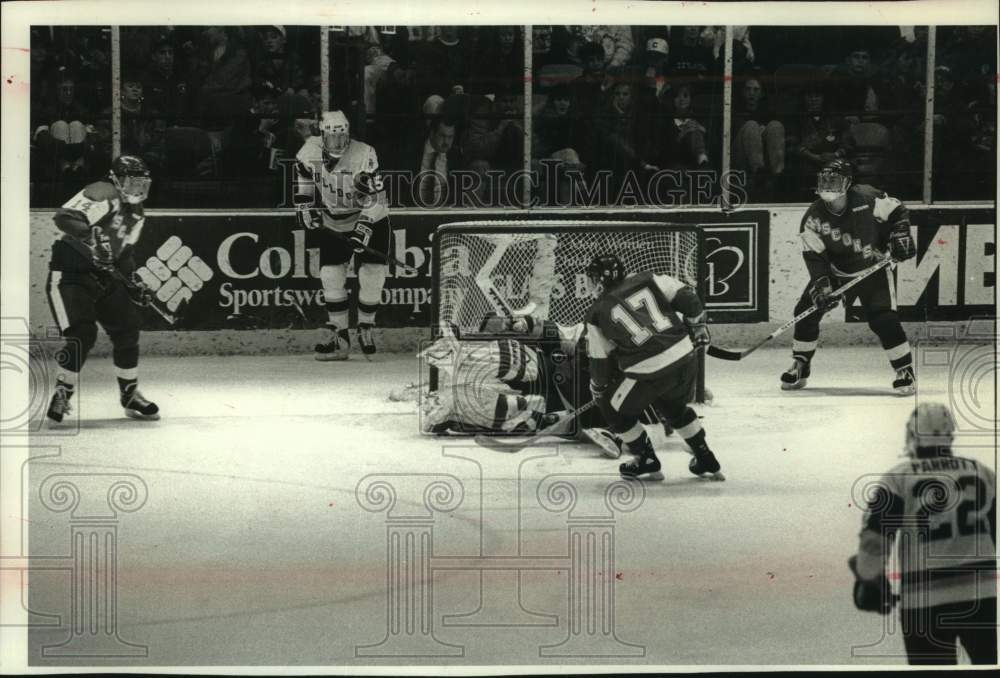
(277, 71)
(683, 139)
(815, 138)
(615, 148)
(692, 59)
(436, 158)
(63, 135)
(377, 66)
(568, 171)
(652, 88)
(615, 42)
(224, 92)
(857, 95)
(166, 94)
(142, 134)
(501, 60)
(758, 139)
(558, 125)
(444, 63)
(589, 89)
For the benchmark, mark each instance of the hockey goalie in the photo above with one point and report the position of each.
(515, 376)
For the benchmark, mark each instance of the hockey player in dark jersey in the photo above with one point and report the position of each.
(940, 511)
(844, 232)
(642, 332)
(90, 263)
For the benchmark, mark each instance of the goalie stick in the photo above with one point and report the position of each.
(729, 354)
(516, 445)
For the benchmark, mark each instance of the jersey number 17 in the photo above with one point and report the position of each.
(651, 321)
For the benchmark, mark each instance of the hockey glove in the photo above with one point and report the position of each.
(871, 595)
(361, 235)
(311, 218)
(139, 292)
(901, 246)
(100, 249)
(822, 296)
(698, 330)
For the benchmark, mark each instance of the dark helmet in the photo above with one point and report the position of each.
(606, 270)
(834, 179)
(131, 177)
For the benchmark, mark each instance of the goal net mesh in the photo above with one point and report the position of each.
(538, 267)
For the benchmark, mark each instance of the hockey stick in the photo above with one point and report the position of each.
(388, 259)
(133, 287)
(728, 354)
(516, 445)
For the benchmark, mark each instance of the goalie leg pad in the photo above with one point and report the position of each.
(334, 279)
(371, 280)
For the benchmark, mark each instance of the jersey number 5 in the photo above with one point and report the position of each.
(643, 299)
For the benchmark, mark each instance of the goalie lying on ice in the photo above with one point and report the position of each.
(513, 376)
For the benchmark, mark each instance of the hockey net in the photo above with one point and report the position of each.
(538, 267)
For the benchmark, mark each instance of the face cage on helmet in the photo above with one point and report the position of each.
(335, 143)
(832, 182)
(134, 189)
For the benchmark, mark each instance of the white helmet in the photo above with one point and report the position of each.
(336, 131)
(931, 428)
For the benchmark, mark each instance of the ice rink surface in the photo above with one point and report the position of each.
(252, 546)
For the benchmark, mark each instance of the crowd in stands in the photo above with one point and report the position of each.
(217, 112)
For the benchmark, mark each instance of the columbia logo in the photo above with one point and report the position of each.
(175, 273)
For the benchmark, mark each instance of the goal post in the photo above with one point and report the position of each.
(537, 267)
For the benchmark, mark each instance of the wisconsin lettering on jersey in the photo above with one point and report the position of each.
(819, 227)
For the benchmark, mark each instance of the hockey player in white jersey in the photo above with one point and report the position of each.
(340, 198)
(940, 511)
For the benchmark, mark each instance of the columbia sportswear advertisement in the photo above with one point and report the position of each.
(245, 271)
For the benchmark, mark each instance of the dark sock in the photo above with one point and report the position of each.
(126, 386)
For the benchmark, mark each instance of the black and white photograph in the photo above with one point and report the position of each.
(471, 338)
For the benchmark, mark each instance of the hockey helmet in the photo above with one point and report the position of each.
(605, 270)
(834, 180)
(930, 430)
(336, 133)
(131, 177)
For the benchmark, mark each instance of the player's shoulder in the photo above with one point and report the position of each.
(95, 200)
(864, 193)
(100, 190)
(812, 212)
(312, 150)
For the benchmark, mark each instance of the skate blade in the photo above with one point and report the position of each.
(323, 358)
(657, 476)
(905, 390)
(715, 477)
(132, 414)
(793, 387)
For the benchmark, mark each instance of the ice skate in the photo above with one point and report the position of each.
(138, 407)
(338, 348)
(59, 406)
(646, 466)
(366, 338)
(795, 377)
(705, 465)
(905, 382)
